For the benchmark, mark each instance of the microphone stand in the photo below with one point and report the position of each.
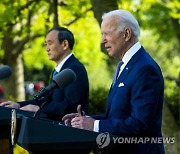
(37, 113)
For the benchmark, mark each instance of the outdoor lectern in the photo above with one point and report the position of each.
(42, 135)
(46, 136)
(5, 129)
(38, 136)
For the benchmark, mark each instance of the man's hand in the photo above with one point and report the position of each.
(83, 122)
(10, 104)
(30, 107)
(79, 120)
(68, 117)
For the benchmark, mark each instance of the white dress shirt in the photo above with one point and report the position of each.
(59, 66)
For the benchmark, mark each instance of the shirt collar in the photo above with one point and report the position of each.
(59, 66)
(128, 55)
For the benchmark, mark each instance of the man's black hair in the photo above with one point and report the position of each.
(64, 34)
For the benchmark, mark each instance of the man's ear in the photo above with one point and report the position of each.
(65, 44)
(127, 34)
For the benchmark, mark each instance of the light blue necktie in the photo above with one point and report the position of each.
(54, 73)
(118, 68)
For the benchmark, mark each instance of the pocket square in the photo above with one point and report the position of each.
(121, 84)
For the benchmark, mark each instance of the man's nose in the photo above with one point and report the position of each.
(103, 41)
(47, 48)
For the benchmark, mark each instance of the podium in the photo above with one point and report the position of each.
(38, 136)
(5, 129)
(46, 136)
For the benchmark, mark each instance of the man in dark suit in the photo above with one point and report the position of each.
(59, 44)
(135, 100)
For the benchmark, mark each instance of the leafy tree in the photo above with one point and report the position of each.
(23, 26)
(17, 28)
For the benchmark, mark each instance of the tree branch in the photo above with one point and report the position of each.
(20, 44)
(77, 17)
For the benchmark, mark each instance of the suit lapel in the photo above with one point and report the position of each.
(123, 75)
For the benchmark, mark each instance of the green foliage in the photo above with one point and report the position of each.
(87, 49)
(160, 16)
(97, 100)
(35, 56)
(78, 9)
(173, 100)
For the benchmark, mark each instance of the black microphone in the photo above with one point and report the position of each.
(62, 79)
(5, 72)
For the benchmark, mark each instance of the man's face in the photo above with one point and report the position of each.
(55, 50)
(112, 38)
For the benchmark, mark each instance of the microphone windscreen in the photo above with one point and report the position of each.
(5, 72)
(64, 78)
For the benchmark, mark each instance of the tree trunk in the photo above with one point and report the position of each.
(103, 6)
(14, 86)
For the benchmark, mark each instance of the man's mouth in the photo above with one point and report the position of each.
(108, 48)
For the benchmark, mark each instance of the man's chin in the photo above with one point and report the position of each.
(50, 58)
(110, 54)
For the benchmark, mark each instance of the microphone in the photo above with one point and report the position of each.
(62, 79)
(5, 72)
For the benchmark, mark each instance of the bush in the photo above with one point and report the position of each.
(173, 102)
(97, 100)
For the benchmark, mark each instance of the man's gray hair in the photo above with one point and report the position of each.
(126, 19)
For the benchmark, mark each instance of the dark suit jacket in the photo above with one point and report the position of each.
(63, 101)
(134, 104)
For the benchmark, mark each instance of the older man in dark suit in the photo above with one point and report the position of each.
(135, 100)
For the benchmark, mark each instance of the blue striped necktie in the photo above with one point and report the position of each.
(118, 68)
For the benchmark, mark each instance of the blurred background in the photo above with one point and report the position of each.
(24, 24)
